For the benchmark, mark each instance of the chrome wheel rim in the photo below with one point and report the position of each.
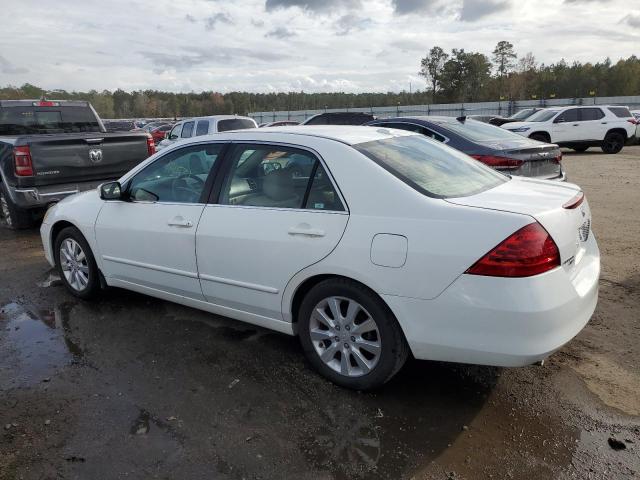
(345, 336)
(4, 210)
(74, 264)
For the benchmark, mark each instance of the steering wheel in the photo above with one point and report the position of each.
(181, 189)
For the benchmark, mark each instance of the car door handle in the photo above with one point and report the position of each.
(576, 124)
(180, 222)
(305, 229)
(603, 123)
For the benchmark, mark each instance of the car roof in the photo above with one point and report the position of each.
(217, 117)
(347, 134)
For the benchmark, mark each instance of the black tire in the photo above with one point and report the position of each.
(540, 137)
(92, 287)
(393, 346)
(10, 215)
(580, 149)
(613, 143)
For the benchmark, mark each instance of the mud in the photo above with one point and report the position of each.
(133, 387)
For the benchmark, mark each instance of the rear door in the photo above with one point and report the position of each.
(592, 123)
(266, 224)
(149, 240)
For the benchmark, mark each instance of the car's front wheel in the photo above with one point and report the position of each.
(350, 336)
(613, 142)
(76, 264)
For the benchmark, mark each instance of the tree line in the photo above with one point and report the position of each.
(458, 76)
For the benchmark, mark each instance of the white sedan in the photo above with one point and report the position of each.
(369, 244)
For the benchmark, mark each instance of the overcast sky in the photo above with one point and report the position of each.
(283, 45)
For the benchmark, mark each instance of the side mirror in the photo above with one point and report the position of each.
(559, 120)
(111, 191)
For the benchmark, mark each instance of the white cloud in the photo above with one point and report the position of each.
(351, 45)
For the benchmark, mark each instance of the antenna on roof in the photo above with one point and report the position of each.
(462, 119)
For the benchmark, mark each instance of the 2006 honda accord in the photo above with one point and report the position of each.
(380, 243)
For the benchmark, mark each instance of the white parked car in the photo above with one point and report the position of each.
(607, 127)
(388, 243)
(198, 126)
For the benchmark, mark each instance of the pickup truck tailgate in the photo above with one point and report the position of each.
(81, 157)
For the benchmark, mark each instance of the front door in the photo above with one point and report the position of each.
(566, 126)
(278, 212)
(149, 240)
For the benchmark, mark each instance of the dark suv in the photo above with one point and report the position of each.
(339, 118)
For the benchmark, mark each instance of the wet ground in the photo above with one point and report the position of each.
(133, 387)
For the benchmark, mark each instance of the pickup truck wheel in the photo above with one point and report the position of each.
(75, 264)
(10, 215)
(613, 142)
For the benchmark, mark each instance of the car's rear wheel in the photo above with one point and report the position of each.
(10, 215)
(580, 149)
(76, 264)
(350, 336)
(613, 142)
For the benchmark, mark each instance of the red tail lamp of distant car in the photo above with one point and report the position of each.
(502, 163)
(22, 161)
(151, 145)
(529, 251)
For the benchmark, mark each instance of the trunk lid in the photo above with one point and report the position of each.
(540, 159)
(82, 157)
(542, 200)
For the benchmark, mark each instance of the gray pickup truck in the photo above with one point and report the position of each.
(50, 149)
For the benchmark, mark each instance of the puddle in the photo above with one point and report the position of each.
(52, 280)
(40, 340)
(432, 419)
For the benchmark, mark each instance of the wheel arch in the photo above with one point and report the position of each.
(541, 132)
(56, 228)
(619, 130)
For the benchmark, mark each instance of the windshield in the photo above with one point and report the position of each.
(24, 120)
(522, 114)
(542, 115)
(478, 131)
(235, 124)
(430, 167)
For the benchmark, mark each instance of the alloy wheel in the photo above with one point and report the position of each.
(345, 336)
(5, 215)
(74, 264)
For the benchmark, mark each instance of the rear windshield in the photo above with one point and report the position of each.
(621, 112)
(24, 120)
(478, 131)
(235, 124)
(430, 167)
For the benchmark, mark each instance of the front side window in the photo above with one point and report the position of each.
(202, 128)
(187, 130)
(571, 115)
(277, 177)
(431, 168)
(177, 177)
(175, 133)
(587, 114)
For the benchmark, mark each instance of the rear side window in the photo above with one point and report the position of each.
(620, 112)
(202, 128)
(235, 124)
(431, 168)
(187, 130)
(587, 114)
(30, 119)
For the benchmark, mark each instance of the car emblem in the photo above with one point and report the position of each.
(543, 154)
(95, 155)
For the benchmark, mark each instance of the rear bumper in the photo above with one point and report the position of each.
(500, 321)
(39, 197)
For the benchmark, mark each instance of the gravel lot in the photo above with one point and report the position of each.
(135, 387)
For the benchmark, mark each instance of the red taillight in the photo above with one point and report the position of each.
(633, 121)
(151, 145)
(558, 159)
(529, 251)
(22, 161)
(575, 202)
(502, 163)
